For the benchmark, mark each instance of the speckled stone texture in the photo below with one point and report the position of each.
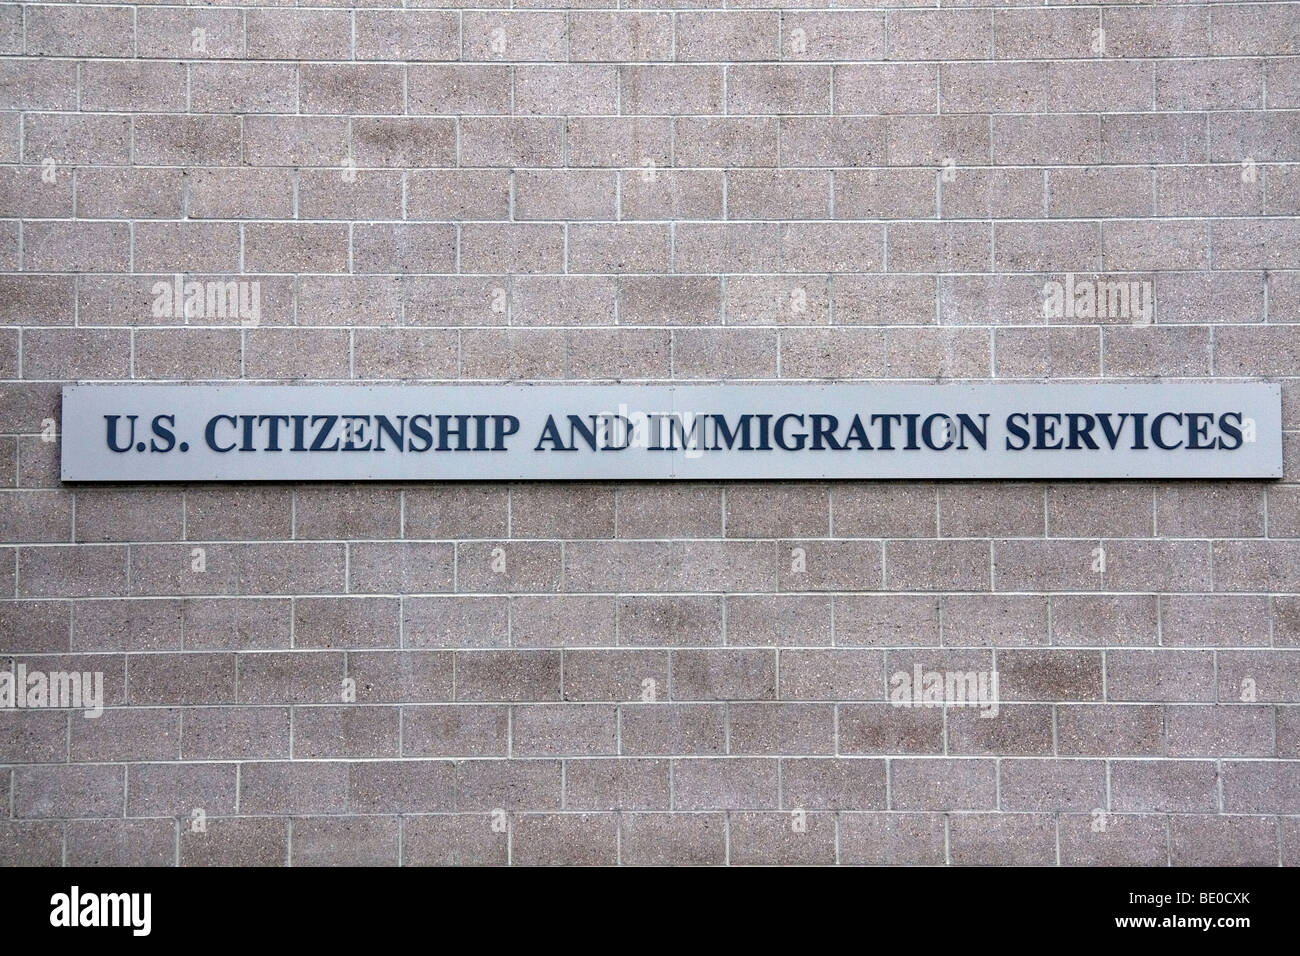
(640, 673)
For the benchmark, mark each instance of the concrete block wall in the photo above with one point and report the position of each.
(669, 190)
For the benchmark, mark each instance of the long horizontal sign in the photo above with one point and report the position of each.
(492, 432)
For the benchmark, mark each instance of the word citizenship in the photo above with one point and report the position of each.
(615, 432)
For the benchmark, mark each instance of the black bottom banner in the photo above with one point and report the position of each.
(955, 907)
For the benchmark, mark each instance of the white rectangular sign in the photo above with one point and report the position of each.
(500, 432)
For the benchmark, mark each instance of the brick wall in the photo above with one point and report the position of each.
(649, 194)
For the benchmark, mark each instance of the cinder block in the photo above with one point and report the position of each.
(514, 35)
(1090, 620)
(42, 85)
(1002, 839)
(565, 194)
(237, 841)
(454, 622)
(727, 37)
(291, 677)
(236, 623)
(1135, 839)
(217, 733)
(1206, 620)
(401, 676)
(34, 516)
(405, 354)
(295, 247)
(345, 732)
(771, 729)
(402, 786)
(564, 839)
(360, 194)
(619, 141)
(243, 87)
(994, 620)
(566, 89)
(1158, 137)
(192, 33)
(913, 839)
(348, 88)
(839, 674)
(1265, 675)
(181, 678)
(725, 141)
(732, 783)
(1186, 786)
(776, 839)
(670, 621)
(677, 89)
(1203, 840)
(1038, 784)
(672, 839)
(404, 247)
(1133, 730)
(563, 730)
(130, 86)
(562, 621)
(461, 839)
(57, 792)
(915, 565)
(293, 786)
(616, 784)
(43, 736)
(644, 508)
(883, 729)
(407, 35)
(766, 89)
(455, 730)
(1259, 786)
(617, 248)
(76, 31)
(507, 247)
(1052, 675)
(121, 842)
(788, 510)
(296, 140)
(707, 566)
(772, 620)
(68, 246)
(1078, 510)
(932, 783)
(401, 568)
(279, 33)
(172, 140)
(188, 354)
(483, 785)
(724, 675)
(1157, 32)
(295, 353)
(186, 247)
(345, 841)
(993, 87)
(514, 675)
(178, 789)
(778, 194)
(1043, 34)
(1021, 729)
(1160, 675)
(940, 35)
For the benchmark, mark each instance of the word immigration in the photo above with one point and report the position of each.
(474, 432)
